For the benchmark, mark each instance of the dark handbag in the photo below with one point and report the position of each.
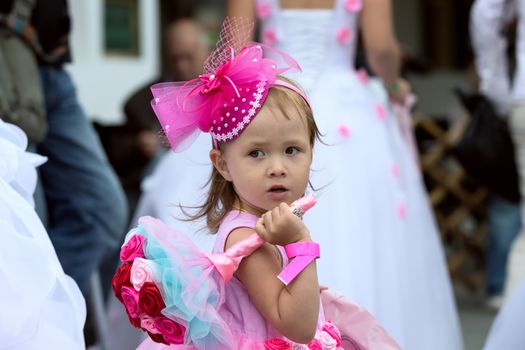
(485, 150)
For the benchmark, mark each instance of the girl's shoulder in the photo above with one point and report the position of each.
(233, 220)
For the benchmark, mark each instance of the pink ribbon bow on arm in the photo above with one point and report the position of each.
(228, 262)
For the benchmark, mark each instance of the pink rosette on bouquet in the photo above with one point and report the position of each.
(132, 249)
(277, 344)
(326, 340)
(134, 284)
(315, 345)
(142, 271)
(333, 331)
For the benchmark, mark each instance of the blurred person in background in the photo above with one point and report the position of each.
(488, 21)
(80, 199)
(381, 245)
(178, 178)
(135, 147)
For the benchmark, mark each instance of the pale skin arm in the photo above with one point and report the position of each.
(293, 310)
(242, 9)
(381, 46)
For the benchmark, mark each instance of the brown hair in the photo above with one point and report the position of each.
(222, 196)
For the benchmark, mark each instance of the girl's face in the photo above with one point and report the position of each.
(269, 162)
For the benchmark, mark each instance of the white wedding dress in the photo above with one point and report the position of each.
(379, 241)
(41, 307)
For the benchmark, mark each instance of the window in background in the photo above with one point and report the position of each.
(121, 27)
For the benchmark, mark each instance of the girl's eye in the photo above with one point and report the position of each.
(257, 153)
(291, 150)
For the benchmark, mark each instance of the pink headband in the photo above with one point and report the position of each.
(225, 99)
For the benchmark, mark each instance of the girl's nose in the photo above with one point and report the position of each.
(276, 168)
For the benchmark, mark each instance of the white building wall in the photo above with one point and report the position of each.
(105, 81)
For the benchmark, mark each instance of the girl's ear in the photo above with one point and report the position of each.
(219, 163)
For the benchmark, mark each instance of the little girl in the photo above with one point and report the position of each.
(259, 288)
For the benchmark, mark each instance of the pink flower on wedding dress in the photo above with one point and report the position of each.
(132, 248)
(263, 10)
(395, 171)
(353, 5)
(142, 271)
(269, 36)
(344, 130)
(362, 76)
(381, 112)
(402, 210)
(344, 35)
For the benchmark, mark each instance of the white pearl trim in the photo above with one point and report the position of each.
(255, 104)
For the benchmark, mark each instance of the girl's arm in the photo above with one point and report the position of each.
(241, 8)
(381, 46)
(294, 309)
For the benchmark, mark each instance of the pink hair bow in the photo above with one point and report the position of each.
(226, 98)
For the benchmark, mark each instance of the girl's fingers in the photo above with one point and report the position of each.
(284, 208)
(260, 229)
(276, 213)
(268, 221)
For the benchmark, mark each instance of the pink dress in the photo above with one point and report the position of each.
(242, 325)
(247, 323)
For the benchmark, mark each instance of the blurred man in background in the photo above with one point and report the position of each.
(488, 21)
(134, 147)
(81, 200)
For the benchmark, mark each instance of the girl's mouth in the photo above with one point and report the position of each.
(278, 189)
(278, 193)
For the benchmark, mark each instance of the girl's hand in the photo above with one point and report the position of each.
(279, 226)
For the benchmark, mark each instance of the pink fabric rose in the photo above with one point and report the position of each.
(158, 338)
(121, 278)
(132, 248)
(296, 346)
(263, 10)
(326, 340)
(147, 323)
(130, 298)
(150, 301)
(172, 332)
(142, 271)
(344, 35)
(331, 329)
(353, 5)
(315, 345)
(277, 344)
